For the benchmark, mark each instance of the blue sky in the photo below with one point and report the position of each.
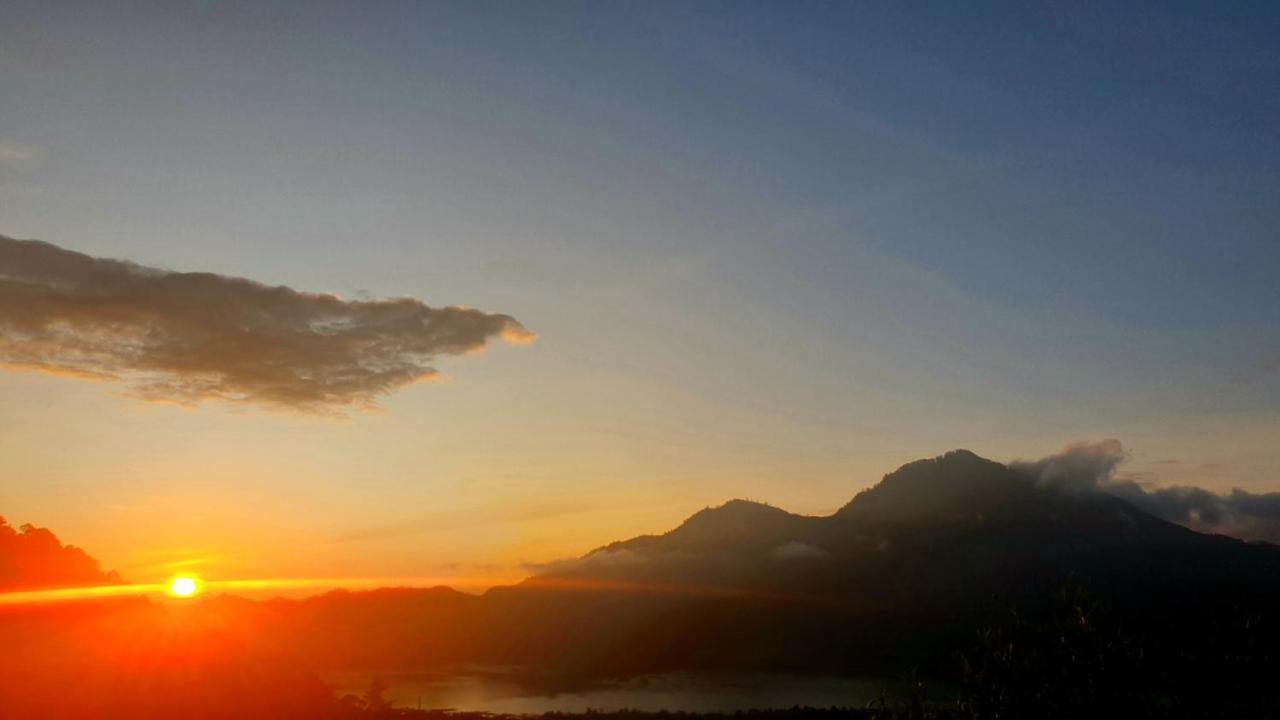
(770, 249)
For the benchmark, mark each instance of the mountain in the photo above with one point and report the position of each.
(951, 529)
(905, 573)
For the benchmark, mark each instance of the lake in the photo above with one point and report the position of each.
(496, 692)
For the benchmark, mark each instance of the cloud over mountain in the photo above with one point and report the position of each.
(1092, 465)
(187, 337)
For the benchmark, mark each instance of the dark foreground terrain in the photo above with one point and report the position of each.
(879, 711)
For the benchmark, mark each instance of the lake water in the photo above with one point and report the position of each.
(692, 692)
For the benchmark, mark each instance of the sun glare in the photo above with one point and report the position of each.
(183, 586)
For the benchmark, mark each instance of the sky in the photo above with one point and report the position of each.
(768, 250)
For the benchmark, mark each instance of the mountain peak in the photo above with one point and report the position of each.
(732, 518)
(736, 508)
(956, 484)
(735, 524)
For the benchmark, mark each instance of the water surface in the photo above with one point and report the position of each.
(689, 692)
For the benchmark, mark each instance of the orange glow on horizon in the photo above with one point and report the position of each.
(33, 597)
(188, 586)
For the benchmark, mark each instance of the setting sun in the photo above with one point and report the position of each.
(183, 586)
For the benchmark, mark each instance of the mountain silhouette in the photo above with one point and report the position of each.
(937, 556)
(952, 487)
(944, 531)
(906, 572)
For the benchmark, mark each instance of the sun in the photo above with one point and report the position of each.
(183, 586)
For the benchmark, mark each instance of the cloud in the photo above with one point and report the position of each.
(796, 550)
(1080, 466)
(13, 152)
(189, 337)
(1091, 466)
(1242, 514)
(455, 519)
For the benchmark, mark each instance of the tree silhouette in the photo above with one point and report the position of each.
(374, 703)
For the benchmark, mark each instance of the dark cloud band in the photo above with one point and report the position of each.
(187, 337)
(1091, 466)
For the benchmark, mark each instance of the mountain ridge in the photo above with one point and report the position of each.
(930, 545)
(907, 573)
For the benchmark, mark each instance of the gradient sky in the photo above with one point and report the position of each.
(771, 251)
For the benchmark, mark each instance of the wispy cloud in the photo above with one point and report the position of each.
(469, 518)
(1092, 466)
(189, 337)
(14, 152)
